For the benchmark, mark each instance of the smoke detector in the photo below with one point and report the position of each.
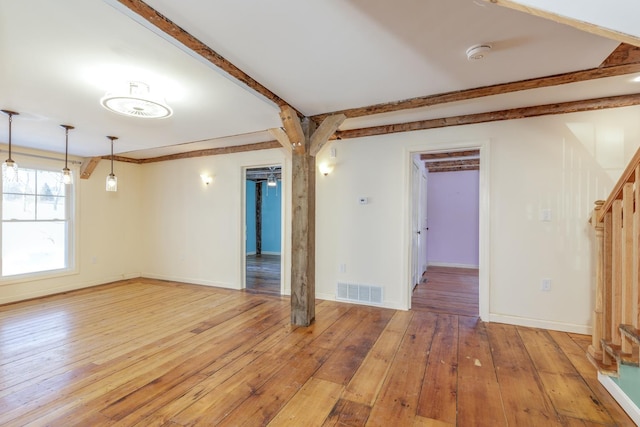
(477, 52)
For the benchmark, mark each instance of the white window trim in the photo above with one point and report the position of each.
(73, 221)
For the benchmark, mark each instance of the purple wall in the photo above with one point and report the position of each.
(453, 218)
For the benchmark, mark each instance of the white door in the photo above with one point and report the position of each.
(424, 223)
(415, 227)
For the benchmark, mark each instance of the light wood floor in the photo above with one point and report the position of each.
(447, 290)
(263, 274)
(151, 353)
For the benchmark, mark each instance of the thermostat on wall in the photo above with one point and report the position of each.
(363, 200)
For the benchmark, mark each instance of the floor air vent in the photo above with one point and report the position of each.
(359, 293)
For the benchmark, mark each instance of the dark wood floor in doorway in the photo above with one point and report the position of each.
(263, 274)
(447, 290)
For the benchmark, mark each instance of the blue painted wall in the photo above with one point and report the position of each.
(271, 206)
(271, 218)
(250, 215)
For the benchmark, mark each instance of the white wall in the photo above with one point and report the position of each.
(109, 233)
(193, 232)
(535, 164)
(165, 223)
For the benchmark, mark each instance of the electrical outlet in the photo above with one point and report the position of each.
(343, 268)
(545, 285)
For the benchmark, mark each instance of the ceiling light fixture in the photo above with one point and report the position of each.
(271, 179)
(136, 100)
(477, 52)
(112, 180)
(10, 167)
(67, 178)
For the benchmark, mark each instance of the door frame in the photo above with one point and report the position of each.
(484, 291)
(284, 247)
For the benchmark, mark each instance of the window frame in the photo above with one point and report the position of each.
(71, 237)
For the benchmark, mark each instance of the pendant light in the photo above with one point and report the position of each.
(271, 179)
(67, 178)
(9, 167)
(112, 180)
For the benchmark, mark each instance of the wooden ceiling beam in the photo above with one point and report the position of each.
(176, 32)
(281, 136)
(293, 128)
(515, 113)
(449, 154)
(572, 22)
(327, 128)
(463, 95)
(455, 169)
(88, 166)
(451, 163)
(200, 153)
(623, 54)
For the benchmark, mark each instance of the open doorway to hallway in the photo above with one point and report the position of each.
(263, 229)
(446, 204)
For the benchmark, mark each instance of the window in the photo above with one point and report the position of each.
(37, 227)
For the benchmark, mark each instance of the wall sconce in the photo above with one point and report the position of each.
(206, 179)
(325, 168)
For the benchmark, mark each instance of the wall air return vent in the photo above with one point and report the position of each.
(359, 293)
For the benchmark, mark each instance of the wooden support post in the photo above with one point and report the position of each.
(303, 227)
(595, 349)
(627, 263)
(258, 219)
(303, 140)
(616, 266)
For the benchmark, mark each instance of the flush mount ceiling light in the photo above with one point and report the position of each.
(477, 52)
(136, 100)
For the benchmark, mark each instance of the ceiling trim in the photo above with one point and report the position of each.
(175, 32)
(580, 25)
(463, 95)
(515, 113)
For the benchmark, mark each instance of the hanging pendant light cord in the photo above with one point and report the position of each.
(10, 114)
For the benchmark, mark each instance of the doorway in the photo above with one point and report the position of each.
(263, 230)
(451, 158)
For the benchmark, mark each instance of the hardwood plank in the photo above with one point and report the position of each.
(152, 353)
(346, 359)
(398, 398)
(310, 406)
(368, 379)
(523, 396)
(567, 390)
(438, 397)
(347, 413)
(428, 422)
(574, 347)
(477, 378)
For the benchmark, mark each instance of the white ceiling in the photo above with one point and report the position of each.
(59, 58)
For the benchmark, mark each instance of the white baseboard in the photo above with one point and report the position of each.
(623, 400)
(68, 288)
(190, 281)
(452, 264)
(542, 324)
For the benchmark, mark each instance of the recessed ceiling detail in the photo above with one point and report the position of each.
(136, 100)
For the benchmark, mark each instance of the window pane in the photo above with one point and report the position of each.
(25, 184)
(29, 247)
(50, 183)
(16, 206)
(51, 207)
